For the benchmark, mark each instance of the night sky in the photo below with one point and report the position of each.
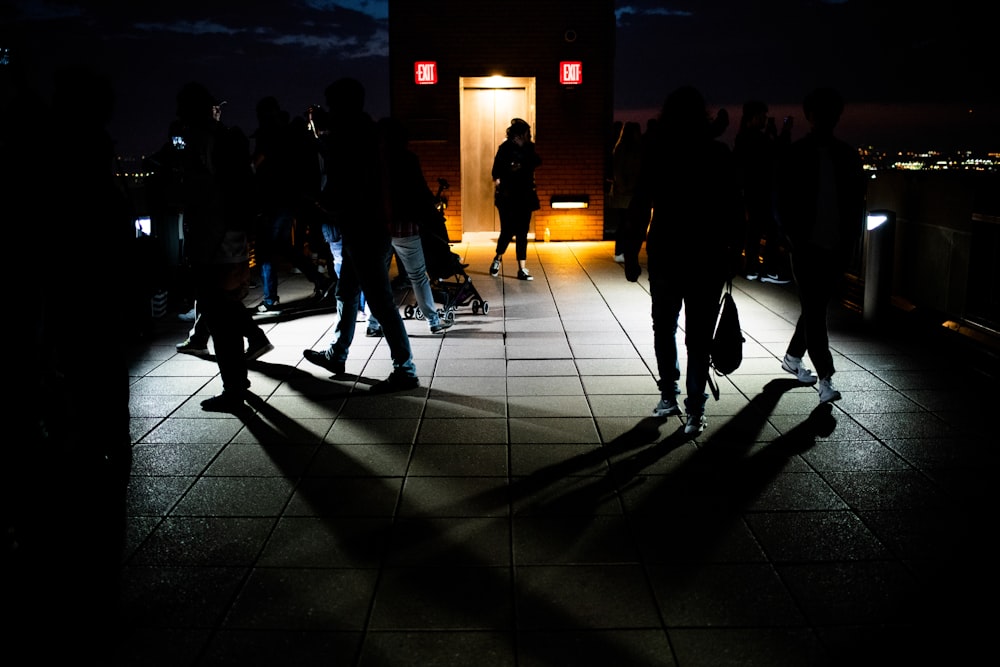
(917, 76)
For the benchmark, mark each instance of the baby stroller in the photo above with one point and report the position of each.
(450, 284)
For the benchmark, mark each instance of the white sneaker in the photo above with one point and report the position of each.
(827, 393)
(695, 424)
(794, 366)
(666, 408)
(620, 258)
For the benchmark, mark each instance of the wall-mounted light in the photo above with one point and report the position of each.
(570, 201)
(876, 219)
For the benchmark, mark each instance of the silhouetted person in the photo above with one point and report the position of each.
(280, 186)
(626, 158)
(411, 204)
(719, 124)
(821, 204)
(756, 149)
(218, 210)
(356, 197)
(690, 183)
(514, 177)
(69, 455)
(196, 343)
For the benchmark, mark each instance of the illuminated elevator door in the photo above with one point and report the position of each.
(488, 105)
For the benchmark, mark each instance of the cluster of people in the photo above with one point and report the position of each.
(337, 172)
(704, 211)
(707, 213)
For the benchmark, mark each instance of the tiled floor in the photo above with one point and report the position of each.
(524, 508)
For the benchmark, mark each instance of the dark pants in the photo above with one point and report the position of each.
(819, 276)
(365, 269)
(700, 300)
(221, 290)
(514, 224)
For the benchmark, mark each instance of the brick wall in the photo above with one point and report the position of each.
(517, 38)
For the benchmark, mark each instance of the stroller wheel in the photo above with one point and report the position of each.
(475, 307)
(450, 315)
(408, 312)
(486, 307)
(419, 313)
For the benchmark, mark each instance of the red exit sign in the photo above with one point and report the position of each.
(425, 73)
(570, 73)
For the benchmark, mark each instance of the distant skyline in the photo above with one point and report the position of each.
(916, 78)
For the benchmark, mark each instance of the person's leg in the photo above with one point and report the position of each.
(812, 271)
(523, 224)
(815, 305)
(506, 230)
(621, 232)
(701, 309)
(752, 248)
(199, 330)
(373, 328)
(410, 253)
(336, 244)
(197, 341)
(503, 240)
(222, 305)
(266, 250)
(370, 265)
(348, 295)
(293, 246)
(665, 309)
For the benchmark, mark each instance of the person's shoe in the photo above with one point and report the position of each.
(227, 401)
(395, 382)
(794, 366)
(827, 393)
(620, 258)
(666, 408)
(374, 332)
(321, 290)
(495, 267)
(194, 347)
(522, 274)
(189, 316)
(269, 307)
(323, 361)
(695, 424)
(751, 275)
(257, 349)
(775, 279)
(443, 325)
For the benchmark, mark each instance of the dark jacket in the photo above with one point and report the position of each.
(691, 185)
(356, 190)
(798, 192)
(217, 193)
(515, 167)
(412, 202)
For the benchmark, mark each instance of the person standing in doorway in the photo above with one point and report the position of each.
(514, 178)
